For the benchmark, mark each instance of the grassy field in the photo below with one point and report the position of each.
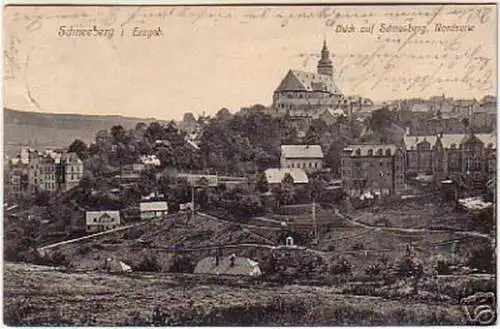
(39, 296)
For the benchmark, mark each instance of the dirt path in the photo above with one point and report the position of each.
(91, 236)
(410, 230)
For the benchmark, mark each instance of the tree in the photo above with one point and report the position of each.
(188, 117)
(80, 148)
(140, 126)
(223, 114)
(117, 134)
(155, 132)
(380, 119)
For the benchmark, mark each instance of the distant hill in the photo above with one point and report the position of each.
(49, 130)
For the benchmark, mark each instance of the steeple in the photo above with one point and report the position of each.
(325, 66)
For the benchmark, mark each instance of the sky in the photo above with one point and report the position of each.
(206, 58)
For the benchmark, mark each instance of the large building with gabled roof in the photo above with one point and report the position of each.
(308, 93)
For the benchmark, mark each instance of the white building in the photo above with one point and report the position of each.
(276, 176)
(97, 221)
(73, 170)
(306, 157)
(154, 209)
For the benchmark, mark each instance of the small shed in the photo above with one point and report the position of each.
(154, 209)
(228, 266)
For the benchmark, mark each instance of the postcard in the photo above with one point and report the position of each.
(250, 165)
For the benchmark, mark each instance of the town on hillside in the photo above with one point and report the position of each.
(236, 218)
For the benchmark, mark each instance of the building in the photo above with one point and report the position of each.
(307, 157)
(154, 209)
(51, 171)
(307, 92)
(98, 221)
(231, 265)
(377, 169)
(467, 158)
(71, 170)
(275, 176)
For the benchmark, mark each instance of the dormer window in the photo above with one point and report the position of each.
(380, 152)
(490, 145)
(370, 152)
(388, 152)
(358, 152)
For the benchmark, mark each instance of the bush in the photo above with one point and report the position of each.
(442, 267)
(374, 269)
(358, 246)
(182, 264)
(148, 264)
(53, 258)
(409, 267)
(382, 221)
(482, 258)
(340, 266)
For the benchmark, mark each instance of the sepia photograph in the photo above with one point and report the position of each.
(250, 165)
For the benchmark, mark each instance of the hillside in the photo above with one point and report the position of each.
(45, 130)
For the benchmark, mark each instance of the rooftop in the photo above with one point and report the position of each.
(276, 176)
(301, 151)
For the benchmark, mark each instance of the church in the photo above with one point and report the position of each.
(308, 94)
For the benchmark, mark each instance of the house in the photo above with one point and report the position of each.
(231, 265)
(98, 221)
(275, 176)
(154, 209)
(307, 157)
(72, 169)
(150, 161)
(377, 169)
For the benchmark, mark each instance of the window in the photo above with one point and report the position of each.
(370, 152)
(95, 220)
(358, 151)
(293, 165)
(380, 152)
(315, 165)
(310, 165)
(388, 152)
(453, 146)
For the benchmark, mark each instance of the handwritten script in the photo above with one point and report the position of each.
(401, 49)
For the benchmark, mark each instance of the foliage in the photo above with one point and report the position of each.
(340, 265)
(482, 257)
(80, 148)
(149, 263)
(181, 264)
(442, 267)
(358, 246)
(53, 258)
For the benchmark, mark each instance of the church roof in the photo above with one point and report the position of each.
(296, 80)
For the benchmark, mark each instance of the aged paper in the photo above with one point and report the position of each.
(250, 165)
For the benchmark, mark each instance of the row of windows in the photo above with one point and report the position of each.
(304, 165)
(107, 227)
(379, 152)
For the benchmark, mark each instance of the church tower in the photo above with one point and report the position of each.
(325, 66)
